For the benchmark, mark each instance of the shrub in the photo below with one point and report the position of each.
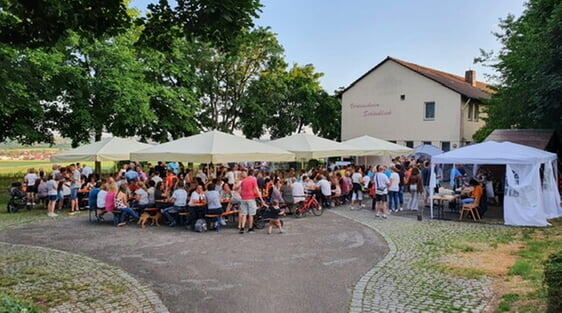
(553, 280)
(11, 305)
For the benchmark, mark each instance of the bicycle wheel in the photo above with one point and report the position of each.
(12, 207)
(316, 209)
(299, 211)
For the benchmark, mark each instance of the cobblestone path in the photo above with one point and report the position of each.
(406, 280)
(71, 283)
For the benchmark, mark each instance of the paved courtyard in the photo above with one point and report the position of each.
(343, 261)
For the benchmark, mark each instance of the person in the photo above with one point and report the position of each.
(131, 175)
(141, 197)
(400, 171)
(476, 192)
(93, 196)
(121, 205)
(393, 191)
(75, 180)
(214, 206)
(455, 176)
(100, 201)
(248, 192)
(86, 171)
(274, 217)
(53, 195)
(357, 191)
(276, 191)
(29, 180)
(324, 191)
(297, 190)
(42, 190)
(112, 189)
(230, 177)
(196, 205)
(171, 178)
(382, 183)
(179, 199)
(286, 193)
(151, 191)
(415, 187)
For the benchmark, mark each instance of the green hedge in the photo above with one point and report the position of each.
(11, 305)
(553, 280)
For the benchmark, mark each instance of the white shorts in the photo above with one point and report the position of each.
(248, 207)
(357, 195)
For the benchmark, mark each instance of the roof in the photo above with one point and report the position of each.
(536, 138)
(453, 82)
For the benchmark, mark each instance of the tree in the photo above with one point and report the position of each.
(529, 93)
(26, 77)
(42, 23)
(101, 87)
(216, 22)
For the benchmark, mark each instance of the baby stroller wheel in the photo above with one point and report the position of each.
(259, 222)
(12, 207)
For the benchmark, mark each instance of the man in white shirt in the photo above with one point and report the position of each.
(179, 198)
(86, 171)
(324, 191)
(297, 190)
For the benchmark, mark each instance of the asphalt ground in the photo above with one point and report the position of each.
(313, 267)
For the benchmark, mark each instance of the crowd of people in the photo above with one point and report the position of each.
(172, 188)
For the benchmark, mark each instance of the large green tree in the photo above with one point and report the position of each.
(529, 66)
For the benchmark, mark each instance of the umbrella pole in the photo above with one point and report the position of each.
(97, 166)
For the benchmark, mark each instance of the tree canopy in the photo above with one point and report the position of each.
(178, 71)
(529, 65)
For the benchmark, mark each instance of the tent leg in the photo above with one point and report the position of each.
(97, 167)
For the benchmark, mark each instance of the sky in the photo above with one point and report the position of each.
(345, 39)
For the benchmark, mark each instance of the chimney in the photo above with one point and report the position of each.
(470, 77)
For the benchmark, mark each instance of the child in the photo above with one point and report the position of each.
(274, 220)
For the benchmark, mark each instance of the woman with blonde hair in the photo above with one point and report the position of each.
(121, 205)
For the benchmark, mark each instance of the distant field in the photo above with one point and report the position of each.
(11, 168)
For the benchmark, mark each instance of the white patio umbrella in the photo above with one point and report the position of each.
(108, 149)
(307, 146)
(378, 147)
(213, 147)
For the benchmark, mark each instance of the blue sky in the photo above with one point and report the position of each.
(345, 39)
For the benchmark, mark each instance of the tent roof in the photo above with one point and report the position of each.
(108, 149)
(377, 147)
(430, 150)
(307, 146)
(213, 147)
(491, 152)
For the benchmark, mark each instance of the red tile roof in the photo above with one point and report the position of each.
(453, 82)
(536, 138)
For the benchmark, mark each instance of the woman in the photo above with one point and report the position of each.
(141, 197)
(214, 206)
(415, 186)
(393, 190)
(475, 193)
(112, 189)
(121, 205)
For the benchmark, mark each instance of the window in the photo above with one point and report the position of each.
(426, 142)
(445, 146)
(393, 141)
(476, 112)
(429, 111)
(409, 144)
(402, 97)
(470, 110)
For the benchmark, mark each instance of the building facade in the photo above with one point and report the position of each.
(412, 105)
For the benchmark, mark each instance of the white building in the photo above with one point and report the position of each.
(411, 105)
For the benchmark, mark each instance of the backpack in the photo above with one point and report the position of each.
(200, 225)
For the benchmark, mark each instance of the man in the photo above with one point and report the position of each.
(131, 175)
(179, 198)
(160, 169)
(86, 171)
(74, 187)
(248, 192)
(456, 175)
(323, 191)
(382, 183)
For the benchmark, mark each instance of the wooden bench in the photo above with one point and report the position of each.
(216, 217)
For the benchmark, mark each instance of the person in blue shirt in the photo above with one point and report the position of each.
(174, 167)
(131, 175)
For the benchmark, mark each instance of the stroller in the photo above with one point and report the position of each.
(17, 198)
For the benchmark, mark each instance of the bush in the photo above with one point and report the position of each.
(11, 305)
(553, 280)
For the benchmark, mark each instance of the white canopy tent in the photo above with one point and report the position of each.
(307, 146)
(427, 150)
(377, 147)
(108, 149)
(213, 147)
(530, 198)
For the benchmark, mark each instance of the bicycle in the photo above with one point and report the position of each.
(309, 205)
